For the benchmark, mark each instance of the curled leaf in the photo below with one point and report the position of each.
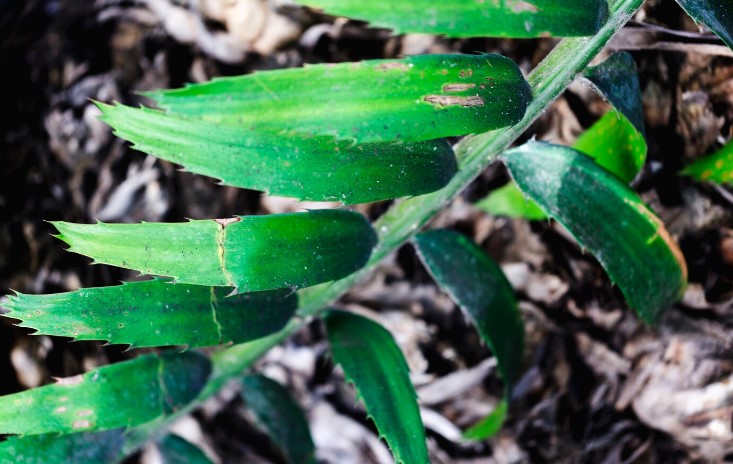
(608, 219)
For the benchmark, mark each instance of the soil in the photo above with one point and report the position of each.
(598, 385)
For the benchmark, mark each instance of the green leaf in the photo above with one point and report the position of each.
(306, 168)
(612, 142)
(716, 15)
(511, 202)
(617, 80)
(156, 313)
(176, 450)
(716, 168)
(281, 416)
(120, 395)
(101, 447)
(417, 98)
(477, 284)
(373, 362)
(608, 219)
(615, 144)
(475, 18)
(250, 253)
(491, 425)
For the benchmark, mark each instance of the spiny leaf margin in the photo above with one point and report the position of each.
(374, 364)
(155, 313)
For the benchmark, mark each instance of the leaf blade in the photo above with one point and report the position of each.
(527, 19)
(281, 416)
(176, 450)
(119, 395)
(184, 315)
(716, 15)
(595, 206)
(305, 168)
(373, 362)
(716, 167)
(423, 97)
(478, 285)
(251, 253)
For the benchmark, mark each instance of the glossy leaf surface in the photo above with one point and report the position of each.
(615, 145)
(509, 201)
(475, 18)
(717, 15)
(608, 219)
(251, 253)
(156, 313)
(373, 362)
(307, 168)
(281, 416)
(417, 98)
(716, 168)
(119, 395)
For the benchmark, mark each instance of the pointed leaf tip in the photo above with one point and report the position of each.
(373, 362)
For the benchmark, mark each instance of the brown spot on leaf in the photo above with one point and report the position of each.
(60, 409)
(75, 380)
(225, 222)
(81, 424)
(457, 87)
(393, 65)
(450, 100)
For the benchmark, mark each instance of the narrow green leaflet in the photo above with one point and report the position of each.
(717, 15)
(373, 362)
(615, 145)
(156, 313)
(101, 447)
(511, 202)
(716, 168)
(417, 98)
(120, 395)
(281, 416)
(617, 80)
(176, 450)
(475, 18)
(477, 284)
(307, 168)
(250, 253)
(608, 219)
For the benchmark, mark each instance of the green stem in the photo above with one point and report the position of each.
(403, 220)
